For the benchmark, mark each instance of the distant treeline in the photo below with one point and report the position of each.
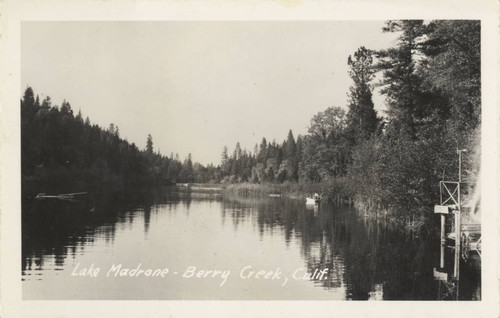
(388, 162)
(63, 152)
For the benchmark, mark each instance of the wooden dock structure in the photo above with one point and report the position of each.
(462, 238)
(451, 211)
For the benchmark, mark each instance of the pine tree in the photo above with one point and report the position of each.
(361, 117)
(291, 157)
(453, 68)
(290, 146)
(225, 161)
(401, 84)
(262, 157)
(79, 116)
(149, 144)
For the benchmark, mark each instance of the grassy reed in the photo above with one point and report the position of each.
(297, 190)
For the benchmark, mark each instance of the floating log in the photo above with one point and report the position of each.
(65, 196)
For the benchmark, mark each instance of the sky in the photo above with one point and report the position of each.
(197, 86)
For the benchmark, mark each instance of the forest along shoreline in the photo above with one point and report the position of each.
(384, 163)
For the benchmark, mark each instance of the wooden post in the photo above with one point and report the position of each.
(441, 193)
(460, 163)
(443, 221)
(443, 241)
(458, 220)
(458, 214)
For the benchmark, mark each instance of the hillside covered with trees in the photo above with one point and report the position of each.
(62, 152)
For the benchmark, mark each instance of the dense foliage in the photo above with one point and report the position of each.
(389, 163)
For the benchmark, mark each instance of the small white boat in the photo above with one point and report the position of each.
(315, 199)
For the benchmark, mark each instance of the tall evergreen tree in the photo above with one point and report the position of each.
(225, 165)
(79, 116)
(262, 157)
(237, 151)
(361, 117)
(290, 146)
(453, 67)
(400, 83)
(291, 157)
(149, 144)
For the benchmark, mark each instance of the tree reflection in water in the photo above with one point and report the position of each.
(371, 259)
(366, 259)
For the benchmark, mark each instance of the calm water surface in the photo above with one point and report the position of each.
(215, 248)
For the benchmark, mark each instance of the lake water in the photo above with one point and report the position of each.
(176, 244)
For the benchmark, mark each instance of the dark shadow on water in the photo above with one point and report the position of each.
(373, 258)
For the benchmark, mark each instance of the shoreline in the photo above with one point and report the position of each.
(291, 190)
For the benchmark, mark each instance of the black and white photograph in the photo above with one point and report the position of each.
(235, 161)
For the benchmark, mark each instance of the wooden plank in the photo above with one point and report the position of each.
(472, 228)
(442, 209)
